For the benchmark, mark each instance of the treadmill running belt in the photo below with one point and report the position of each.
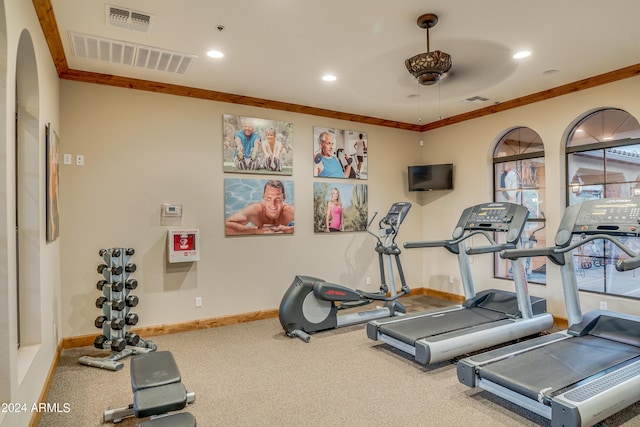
(560, 364)
(413, 329)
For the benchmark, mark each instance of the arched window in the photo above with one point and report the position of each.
(603, 161)
(519, 177)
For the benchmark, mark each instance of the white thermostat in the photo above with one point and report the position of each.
(183, 245)
(171, 210)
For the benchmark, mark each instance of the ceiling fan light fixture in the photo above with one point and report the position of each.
(428, 67)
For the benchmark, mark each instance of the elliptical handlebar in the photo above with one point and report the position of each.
(369, 228)
(390, 229)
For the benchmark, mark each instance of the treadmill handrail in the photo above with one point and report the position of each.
(628, 264)
(447, 244)
(591, 237)
(451, 245)
(554, 252)
(549, 252)
(490, 249)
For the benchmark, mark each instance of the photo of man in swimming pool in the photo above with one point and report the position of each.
(248, 211)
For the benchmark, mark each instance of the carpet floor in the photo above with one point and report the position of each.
(252, 374)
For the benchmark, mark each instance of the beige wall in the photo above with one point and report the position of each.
(24, 370)
(469, 145)
(142, 149)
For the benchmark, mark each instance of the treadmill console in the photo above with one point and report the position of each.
(495, 216)
(616, 217)
(397, 213)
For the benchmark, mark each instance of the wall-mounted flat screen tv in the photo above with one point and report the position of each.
(431, 177)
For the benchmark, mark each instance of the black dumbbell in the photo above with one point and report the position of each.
(131, 319)
(115, 324)
(101, 301)
(130, 251)
(118, 323)
(113, 252)
(99, 321)
(132, 338)
(115, 286)
(118, 344)
(130, 268)
(131, 301)
(117, 305)
(99, 341)
(116, 269)
(131, 284)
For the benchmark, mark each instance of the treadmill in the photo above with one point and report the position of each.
(580, 376)
(488, 318)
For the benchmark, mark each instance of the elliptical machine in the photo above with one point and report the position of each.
(311, 304)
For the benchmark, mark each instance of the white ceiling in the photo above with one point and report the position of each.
(279, 49)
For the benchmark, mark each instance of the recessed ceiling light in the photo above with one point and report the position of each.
(329, 78)
(522, 54)
(215, 54)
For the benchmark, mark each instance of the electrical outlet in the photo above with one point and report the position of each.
(198, 302)
(79, 160)
(451, 279)
(368, 280)
(603, 305)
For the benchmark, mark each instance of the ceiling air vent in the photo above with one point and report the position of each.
(129, 19)
(162, 60)
(120, 52)
(476, 99)
(92, 47)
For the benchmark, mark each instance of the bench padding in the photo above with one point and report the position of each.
(159, 400)
(182, 419)
(153, 369)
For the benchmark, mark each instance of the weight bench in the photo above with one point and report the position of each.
(157, 391)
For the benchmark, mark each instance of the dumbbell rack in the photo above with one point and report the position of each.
(116, 303)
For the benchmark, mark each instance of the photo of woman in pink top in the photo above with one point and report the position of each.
(334, 212)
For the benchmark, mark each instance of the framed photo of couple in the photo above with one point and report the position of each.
(258, 146)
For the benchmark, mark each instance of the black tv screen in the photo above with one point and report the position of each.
(431, 177)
